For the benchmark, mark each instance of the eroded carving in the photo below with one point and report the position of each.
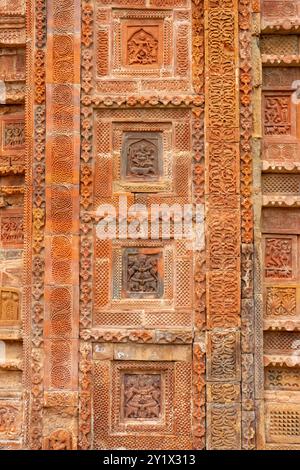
(142, 396)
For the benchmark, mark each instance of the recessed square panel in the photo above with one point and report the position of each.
(12, 134)
(141, 156)
(280, 257)
(142, 273)
(141, 397)
(278, 114)
(143, 45)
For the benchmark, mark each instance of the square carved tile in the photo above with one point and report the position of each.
(10, 415)
(166, 169)
(142, 273)
(281, 302)
(11, 228)
(13, 134)
(12, 140)
(143, 44)
(279, 115)
(280, 257)
(143, 297)
(283, 422)
(141, 158)
(273, 10)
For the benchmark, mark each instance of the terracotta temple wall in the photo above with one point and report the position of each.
(142, 102)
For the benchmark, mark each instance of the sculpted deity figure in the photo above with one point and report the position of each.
(142, 396)
(142, 273)
(142, 48)
(59, 440)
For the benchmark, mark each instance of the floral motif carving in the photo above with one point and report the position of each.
(14, 135)
(281, 301)
(224, 358)
(224, 424)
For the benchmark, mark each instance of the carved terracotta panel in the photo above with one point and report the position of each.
(9, 306)
(282, 423)
(11, 228)
(145, 396)
(141, 156)
(10, 419)
(142, 273)
(280, 9)
(280, 257)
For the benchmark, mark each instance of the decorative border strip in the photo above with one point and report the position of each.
(223, 223)
(86, 227)
(247, 267)
(34, 207)
(137, 100)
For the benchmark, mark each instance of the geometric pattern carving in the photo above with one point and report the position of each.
(283, 423)
(282, 342)
(282, 379)
(281, 183)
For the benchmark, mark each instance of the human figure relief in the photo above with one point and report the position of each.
(9, 310)
(142, 396)
(142, 273)
(278, 257)
(7, 419)
(142, 158)
(59, 440)
(142, 48)
(277, 115)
